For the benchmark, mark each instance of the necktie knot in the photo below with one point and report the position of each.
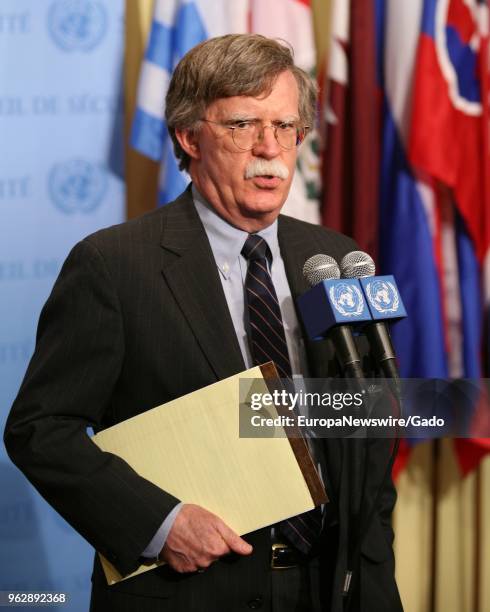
(256, 247)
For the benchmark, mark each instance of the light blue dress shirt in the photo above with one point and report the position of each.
(226, 244)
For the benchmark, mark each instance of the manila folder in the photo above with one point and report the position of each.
(191, 448)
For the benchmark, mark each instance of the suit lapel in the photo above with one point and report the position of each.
(192, 275)
(193, 278)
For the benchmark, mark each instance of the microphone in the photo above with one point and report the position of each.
(319, 268)
(360, 265)
(329, 309)
(385, 303)
(320, 313)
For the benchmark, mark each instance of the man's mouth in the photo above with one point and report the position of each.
(266, 181)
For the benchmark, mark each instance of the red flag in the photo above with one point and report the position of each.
(351, 154)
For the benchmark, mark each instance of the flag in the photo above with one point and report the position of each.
(448, 142)
(433, 166)
(351, 160)
(409, 226)
(485, 83)
(177, 26)
(291, 21)
(370, 189)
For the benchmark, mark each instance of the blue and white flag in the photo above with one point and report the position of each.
(178, 25)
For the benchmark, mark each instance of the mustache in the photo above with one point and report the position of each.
(266, 167)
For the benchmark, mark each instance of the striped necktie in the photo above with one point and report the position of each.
(268, 343)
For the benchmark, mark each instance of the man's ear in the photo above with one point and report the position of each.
(188, 140)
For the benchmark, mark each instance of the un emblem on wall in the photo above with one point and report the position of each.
(77, 186)
(347, 299)
(77, 25)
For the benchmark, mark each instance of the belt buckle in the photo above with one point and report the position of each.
(281, 556)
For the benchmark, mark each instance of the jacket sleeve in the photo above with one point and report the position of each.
(67, 389)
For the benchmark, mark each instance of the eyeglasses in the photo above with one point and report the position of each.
(246, 134)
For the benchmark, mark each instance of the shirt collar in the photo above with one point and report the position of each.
(226, 240)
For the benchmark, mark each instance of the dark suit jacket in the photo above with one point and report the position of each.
(136, 318)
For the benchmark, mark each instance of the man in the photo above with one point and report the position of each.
(157, 307)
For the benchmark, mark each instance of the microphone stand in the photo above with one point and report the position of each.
(357, 535)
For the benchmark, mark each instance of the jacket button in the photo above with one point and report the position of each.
(255, 604)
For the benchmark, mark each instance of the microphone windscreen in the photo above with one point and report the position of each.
(319, 268)
(357, 264)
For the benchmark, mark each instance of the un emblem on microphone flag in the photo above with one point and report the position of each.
(347, 299)
(382, 296)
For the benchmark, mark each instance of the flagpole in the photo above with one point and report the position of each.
(477, 540)
(436, 452)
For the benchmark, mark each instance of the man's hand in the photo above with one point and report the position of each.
(198, 538)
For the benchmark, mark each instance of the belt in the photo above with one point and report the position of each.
(284, 556)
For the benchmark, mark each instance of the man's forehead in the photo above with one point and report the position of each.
(282, 99)
(243, 105)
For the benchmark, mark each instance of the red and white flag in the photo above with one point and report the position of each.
(292, 21)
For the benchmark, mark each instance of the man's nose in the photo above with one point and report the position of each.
(267, 145)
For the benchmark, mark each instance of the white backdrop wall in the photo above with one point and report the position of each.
(60, 179)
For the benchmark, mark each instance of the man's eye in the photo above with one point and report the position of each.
(286, 126)
(242, 125)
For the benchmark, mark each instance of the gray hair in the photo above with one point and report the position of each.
(226, 66)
